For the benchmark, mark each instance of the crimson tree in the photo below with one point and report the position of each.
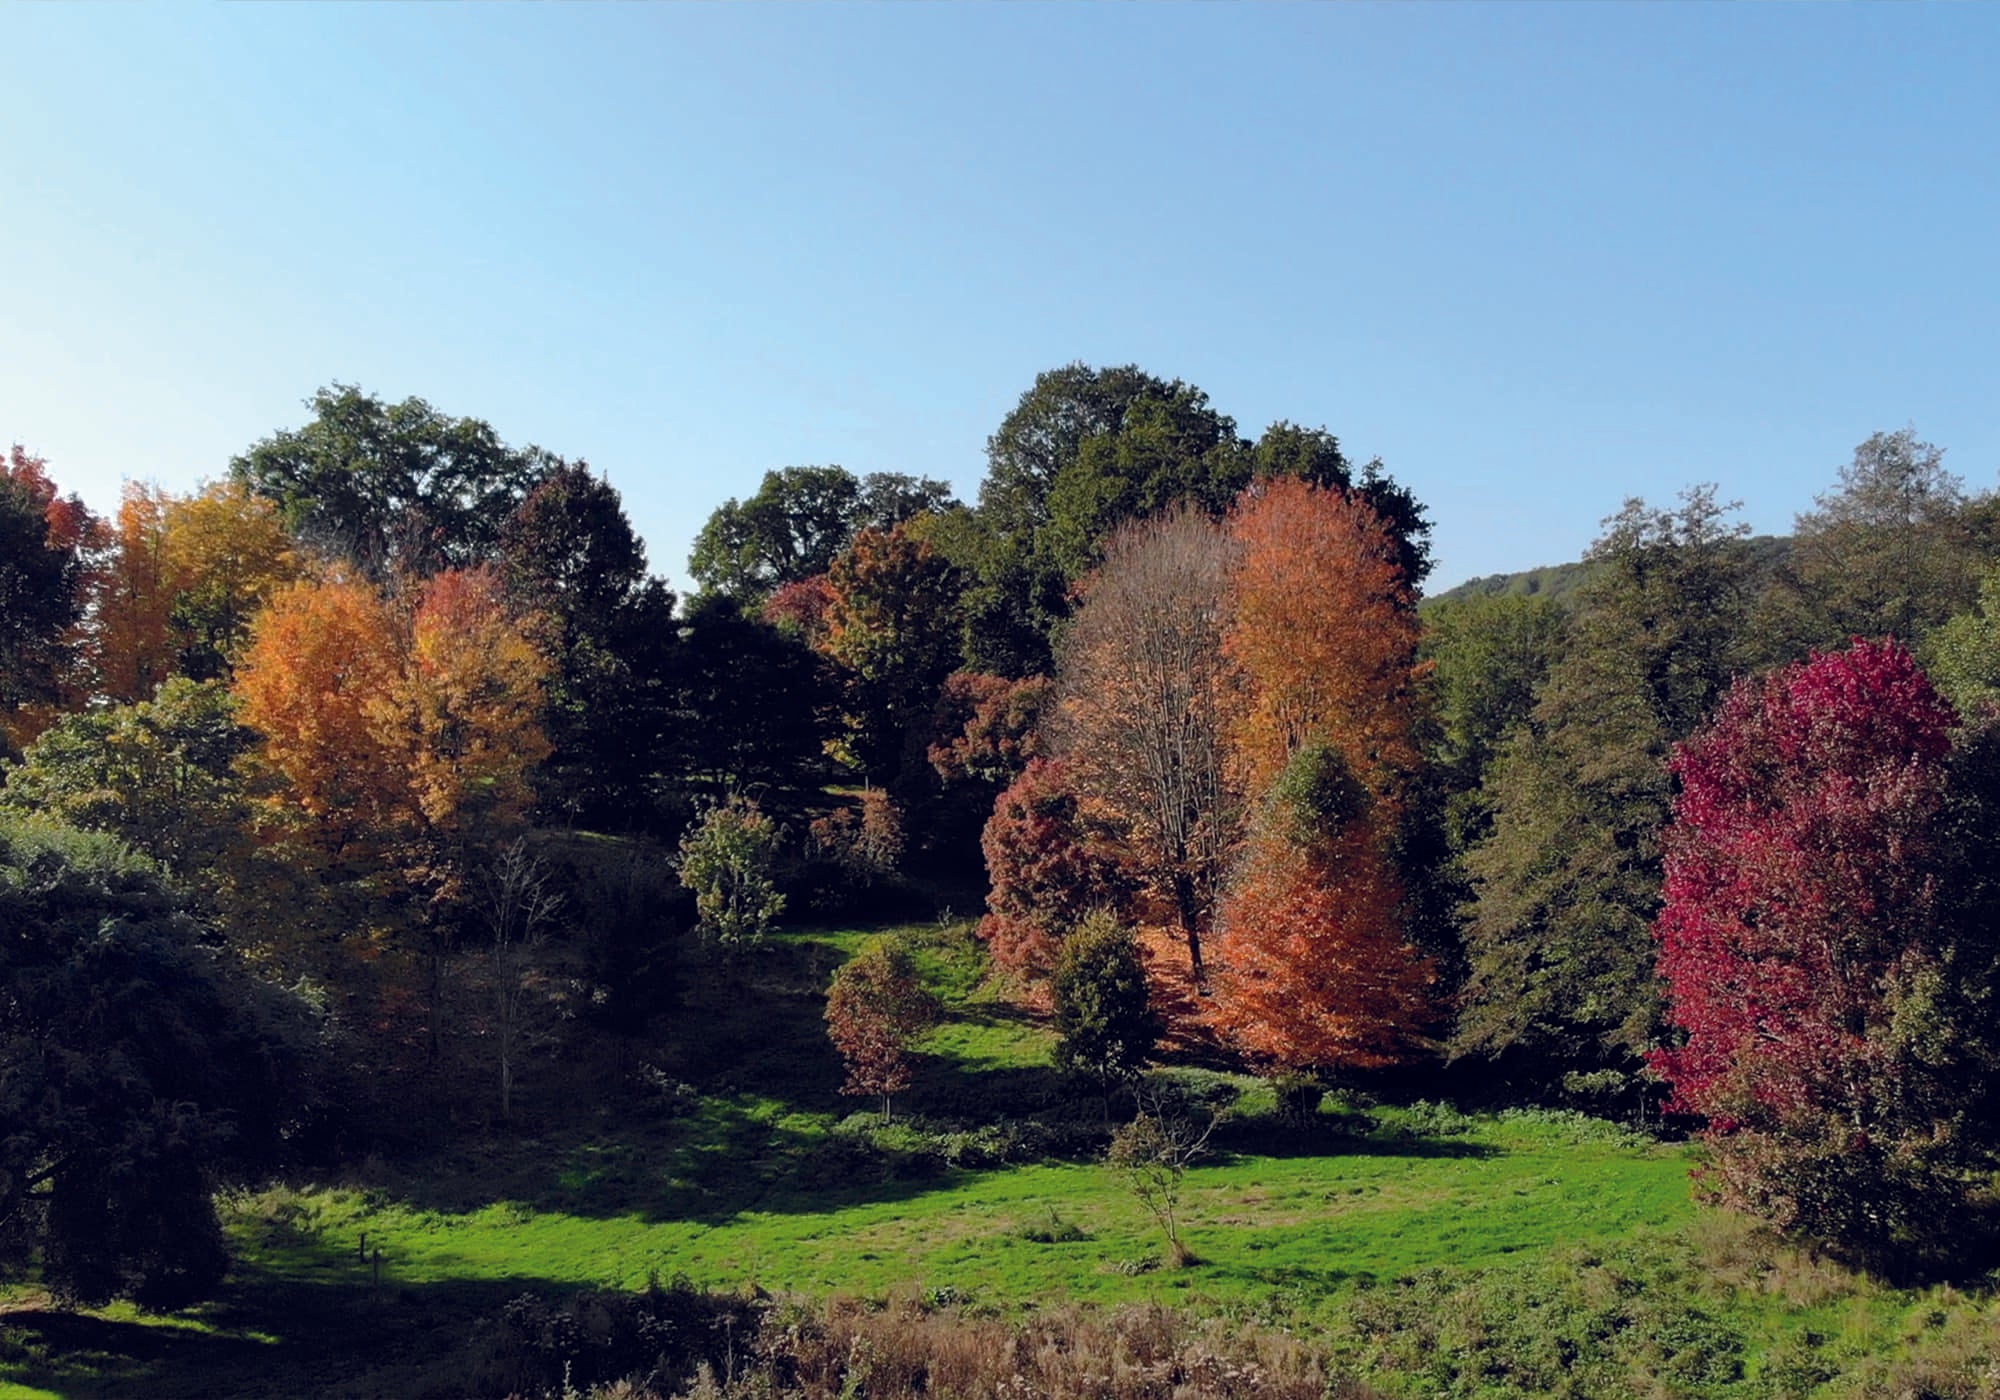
(876, 1006)
(1820, 960)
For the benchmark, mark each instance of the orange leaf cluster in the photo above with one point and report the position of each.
(1325, 629)
(391, 726)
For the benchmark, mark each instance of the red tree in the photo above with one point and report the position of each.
(1828, 997)
(1046, 870)
(876, 1006)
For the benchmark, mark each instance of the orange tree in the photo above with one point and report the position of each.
(1318, 974)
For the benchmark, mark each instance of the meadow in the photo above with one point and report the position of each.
(1418, 1250)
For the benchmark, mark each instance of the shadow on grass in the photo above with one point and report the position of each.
(1330, 1137)
(268, 1336)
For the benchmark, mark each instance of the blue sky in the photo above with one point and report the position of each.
(1536, 258)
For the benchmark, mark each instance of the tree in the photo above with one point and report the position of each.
(1890, 552)
(1324, 629)
(1837, 1019)
(461, 723)
(138, 1071)
(1964, 653)
(46, 543)
(159, 775)
(1316, 974)
(752, 704)
(570, 558)
(1047, 428)
(1145, 694)
(1153, 1153)
(986, 727)
(322, 660)
(391, 488)
(519, 902)
(225, 554)
(727, 859)
(1558, 942)
(1104, 1021)
(891, 629)
(1047, 869)
(800, 520)
(876, 1006)
(132, 599)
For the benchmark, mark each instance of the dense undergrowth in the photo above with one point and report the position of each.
(975, 1245)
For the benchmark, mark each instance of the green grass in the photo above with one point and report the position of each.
(1442, 1255)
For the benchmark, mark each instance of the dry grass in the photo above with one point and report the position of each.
(903, 1351)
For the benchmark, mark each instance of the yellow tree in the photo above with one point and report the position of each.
(462, 721)
(227, 554)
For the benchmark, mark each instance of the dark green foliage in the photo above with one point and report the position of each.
(569, 554)
(753, 704)
(1105, 1026)
(135, 1065)
(1559, 944)
(395, 488)
(1316, 795)
(41, 584)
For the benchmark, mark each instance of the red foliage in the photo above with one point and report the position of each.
(985, 727)
(1046, 871)
(1797, 879)
(875, 1007)
(801, 606)
(1807, 942)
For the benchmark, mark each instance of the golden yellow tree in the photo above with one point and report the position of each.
(227, 554)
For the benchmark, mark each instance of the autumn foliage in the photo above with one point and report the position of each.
(1316, 973)
(1047, 868)
(1324, 628)
(876, 1006)
(1829, 1002)
(391, 727)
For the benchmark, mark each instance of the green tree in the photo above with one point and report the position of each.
(751, 704)
(395, 488)
(1105, 1026)
(891, 630)
(570, 556)
(1892, 551)
(1964, 653)
(160, 776)
(45, 540)
(799, 521)
(728, 860)
(139, 1070)
(1558, 943)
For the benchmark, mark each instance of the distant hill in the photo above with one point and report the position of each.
(1767, 554)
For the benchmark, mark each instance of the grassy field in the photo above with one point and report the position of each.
(1433, 1253)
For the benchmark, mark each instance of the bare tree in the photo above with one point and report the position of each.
(1153, 1152)
(1144, 696)
(519, 906)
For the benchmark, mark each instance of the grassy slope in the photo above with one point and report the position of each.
(1446, 1255)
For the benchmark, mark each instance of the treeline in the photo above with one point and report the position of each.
(303, 745)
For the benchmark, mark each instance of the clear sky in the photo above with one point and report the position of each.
(1537, 258)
